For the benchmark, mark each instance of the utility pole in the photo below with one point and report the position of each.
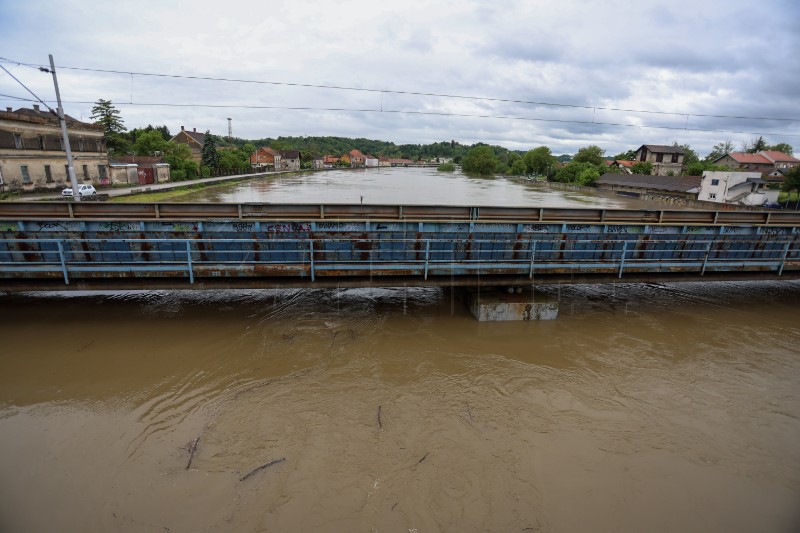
(230, 130)
(70, 166)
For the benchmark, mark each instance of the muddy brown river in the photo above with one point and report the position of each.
(642, 408)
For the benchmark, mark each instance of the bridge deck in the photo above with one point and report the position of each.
(92, 245)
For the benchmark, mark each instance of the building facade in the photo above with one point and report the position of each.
(265, 158)
(290, 160)
(33, 156)
(666, 160)
(745, 188)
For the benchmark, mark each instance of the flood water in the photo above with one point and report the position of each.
(407, 186)
(641, 408)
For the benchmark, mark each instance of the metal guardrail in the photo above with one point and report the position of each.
(422, 257)
(389, 212)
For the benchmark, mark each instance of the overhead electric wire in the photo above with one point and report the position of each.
(26, 88)
(394, 91)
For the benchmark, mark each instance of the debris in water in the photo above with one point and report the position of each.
(192, 451)
(423, 458)
(262, 467)
(380, 423)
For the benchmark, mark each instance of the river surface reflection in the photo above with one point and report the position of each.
(406, 186)
(641, 408)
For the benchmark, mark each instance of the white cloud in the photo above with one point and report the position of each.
(701, 58)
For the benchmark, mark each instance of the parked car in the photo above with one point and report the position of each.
(772, 205)
(83, 190)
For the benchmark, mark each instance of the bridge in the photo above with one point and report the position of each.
(87, 246)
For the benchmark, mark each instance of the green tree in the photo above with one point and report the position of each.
(181, 164)
(720, 149)
(446, 167)
(105, 114)
(518, 168)
(209, 156)
(781, 147)
(108, 116)
(642, 167)
(578, 173)
(480, 160)
(755, 145)
(630, 155)
(148, 143)
(249, 149)
(689, 155)
(590, 154)
(792, 181)
(234, 159)
(540, 161)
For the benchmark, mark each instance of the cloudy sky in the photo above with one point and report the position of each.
(520, 74)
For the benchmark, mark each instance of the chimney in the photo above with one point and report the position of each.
(181, 128)
(194, 130)
(36, 107)
(8, 109)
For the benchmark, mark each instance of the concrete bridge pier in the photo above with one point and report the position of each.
(496, 304)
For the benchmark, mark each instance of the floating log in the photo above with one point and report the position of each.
(380, 423)
(423, 458)
(262, 467)
(192, 451)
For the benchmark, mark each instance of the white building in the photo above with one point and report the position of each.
(744, 188)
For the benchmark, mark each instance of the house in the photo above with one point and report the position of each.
(764, 161)
(622, 164)
(194, 140)
(370, 161)
(329, 161)
(357, 159)
(745, 188)
(32, 153)
(290, 160)
(666, 160)
(782, 162)
(384, 161)
(639, 184)
(318, 163)
(265, 158)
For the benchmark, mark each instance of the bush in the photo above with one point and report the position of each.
(446, 167)
(177, 175)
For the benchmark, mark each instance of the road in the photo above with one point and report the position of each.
(154, 187)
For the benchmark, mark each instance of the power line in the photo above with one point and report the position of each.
(431, 113)
(26, 87)
(410, 93)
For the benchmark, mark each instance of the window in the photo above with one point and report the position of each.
(714, 182)
(712, 196)
(48, 175)
(66, 172)
(674, 158)
(61, 143)
(643, 157)
(18, 141)
(42, 145)
(80, 144)
(98, 146)
(86, 172)
(1, 176)
(101, 169)
(26, 177)
(659, 158)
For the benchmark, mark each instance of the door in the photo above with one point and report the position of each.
(145, 176)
